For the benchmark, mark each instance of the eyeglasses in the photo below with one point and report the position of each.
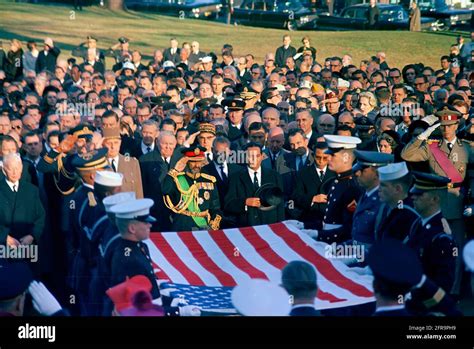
(18, 127)
(32, 144)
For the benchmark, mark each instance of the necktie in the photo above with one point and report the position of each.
(167, 163)
(223, 175)
(255, 180)
(273, 160)
(208, 157)
(321, 174)
(148, 149)
(450, 146)
(14, 188)
(113, 165)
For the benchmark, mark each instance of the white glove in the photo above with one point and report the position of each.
(298, 55)
(179, 302)
(43, 301)
(189, 310)
(430, 119)
(426, 133)
(468, 211)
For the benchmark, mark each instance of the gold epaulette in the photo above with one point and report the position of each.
(431, 141)
(174, 173)
(209, 177)
(48, 159)
(91, 197)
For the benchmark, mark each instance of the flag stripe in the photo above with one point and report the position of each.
(232, 253)
(174, 259)
(324, 265)
(329, 297)
(263, 248)
(202, 257)
(157, 256)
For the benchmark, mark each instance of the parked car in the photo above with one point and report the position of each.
(180, 8)
(447, 16)
(290, 14)
(392, 17)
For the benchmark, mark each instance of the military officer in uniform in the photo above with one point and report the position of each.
(430, 235)
(344, 193)
(90, 43)
(396, 215)
(449, 157)
(130, 255)
(365, 169)
(192, 195)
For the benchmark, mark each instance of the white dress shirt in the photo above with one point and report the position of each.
(145, 147)
(259, 175)
(11, 184)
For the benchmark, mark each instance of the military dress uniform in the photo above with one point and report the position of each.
(363, 221)
(342, 197)
(431, 237)
(193, 198)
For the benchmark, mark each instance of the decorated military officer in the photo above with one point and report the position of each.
(430, 235)
(344, 193)
(191, 195)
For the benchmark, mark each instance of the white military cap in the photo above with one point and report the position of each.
(394, 171)
(129, 65)
(468, 255)
(118, 198)
(336, 143)
(138, 209)
(206, 59)
(257, 297)
(108, 178)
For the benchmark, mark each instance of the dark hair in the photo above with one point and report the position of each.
(252, 145)
(168, 122)
(109, 114)
(293, 132)
(254, 126)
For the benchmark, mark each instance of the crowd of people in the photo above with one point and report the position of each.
(94, 157)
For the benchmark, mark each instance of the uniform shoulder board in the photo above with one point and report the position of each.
(430, 141)
(173, 173)
(208, 177)
(91, 197)
(446, 227)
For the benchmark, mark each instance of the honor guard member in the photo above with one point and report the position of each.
(365, 169)
(449, 157)
(396, 269)
(192, 195)
(130, 255)
(396, 215)
(82, 202)
(430, 235)
(344, 193)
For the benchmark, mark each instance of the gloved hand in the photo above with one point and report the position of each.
(179, 302)
(426, 133)
(43, 301)
(468, 210)
(313, 233)
(189, 310)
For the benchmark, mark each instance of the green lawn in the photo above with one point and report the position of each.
(149, 31)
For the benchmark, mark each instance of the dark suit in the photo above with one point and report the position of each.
(304, 311)
(235, 133)
(395, 223)
(153, 171)
(309, 184)
(282, 54)
(288, 170)
(47, 62)
(241, 187)
(21, 213)
(167, 56)
(312, 140)
(194, 58)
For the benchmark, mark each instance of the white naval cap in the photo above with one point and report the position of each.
(336, 143)
(206, 59)
(108, 178)
(394, 171)
(118, 198)
(129, 65)
(468, 255)
(257, 297)
(138, 209)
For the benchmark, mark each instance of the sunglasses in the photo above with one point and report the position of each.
(17, 127)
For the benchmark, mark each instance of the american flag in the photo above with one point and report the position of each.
(202, 267)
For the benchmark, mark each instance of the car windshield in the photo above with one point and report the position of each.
(394, 14)
(431, 4)
(284, 6)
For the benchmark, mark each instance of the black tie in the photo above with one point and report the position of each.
(167, 163)
(223, 175)
(208, 157)
(113, 165)
(321, 174)
(14, 188)
(273, 160)
(148, 149)
(255, 180)
(450, 146)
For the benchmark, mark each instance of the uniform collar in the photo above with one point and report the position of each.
(345, 174)
(424, 221)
